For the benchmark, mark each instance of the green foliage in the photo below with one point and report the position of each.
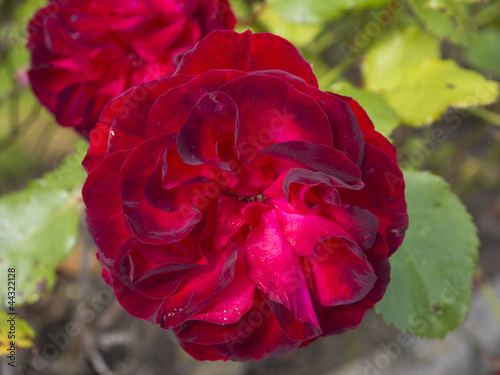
(39, 228)
(444, 18)
(299, 34)
(383, 116)
(24, 334)
(432, 271)
(70, 173)
(483, 51)
(405, 69)
(387, 63)
(304, 11)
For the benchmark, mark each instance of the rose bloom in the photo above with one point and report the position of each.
(86, 52)
(240, 206)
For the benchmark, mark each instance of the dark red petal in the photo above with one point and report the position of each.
(316, 157)
(264, 340)
(302, 198)
(48, 79)
(101, 194)
(304, 232)
(359, 223)
(277, 271)
(136, 304)
(99, 135)
(150, 224)
(339, 319)
(246, 52)
(150, 279)
(307, 177)
(205, 333)
(200, 287)
(129, 128)
(363, 120)
(376, 139)
(234, 301)
(178, 252)
(228, 219)
(175, 173)
(346, 132)
(72, 103)
(271, 111)
(201, 352)
(340, 273)
(224, 18)
(383, 195)
(252, 180)
(197, 140)
(227, 316)
(173, 107)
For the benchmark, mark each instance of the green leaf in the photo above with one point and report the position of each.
(383, 116)
(241, 9)
(24, 334)
(39, 226)
(70, 173)
(444, 18)
(432, 271)
(38, 229)
(405, 69)
(13, 35)
(385, 64)
(482, 51)
(434, 85)
(298, 34)
(306, 11)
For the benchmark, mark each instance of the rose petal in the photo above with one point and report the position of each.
(133, 302)
(228, 219)
(316, 157)
(100, 133)
(129, 128)
(264, 340)
(149, 224)
(200, 287)
(271, 111)
(197, 140)
(104, 216)
(277, 271)
(383, 195)
(340, 272)
(150, 279)
(339, 319)
(346, 133)
(246, 52)
(201, 352)
(234, 301)
(378, 140)
(177, 252)
(359, 223)
(304, 232)
(307, 177)
(173, 107)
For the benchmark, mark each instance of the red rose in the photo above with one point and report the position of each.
(240, 206)
(86, 52)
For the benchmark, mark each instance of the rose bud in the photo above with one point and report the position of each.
(240, 206)
(86, 52)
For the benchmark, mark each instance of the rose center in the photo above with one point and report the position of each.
(256, 198)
